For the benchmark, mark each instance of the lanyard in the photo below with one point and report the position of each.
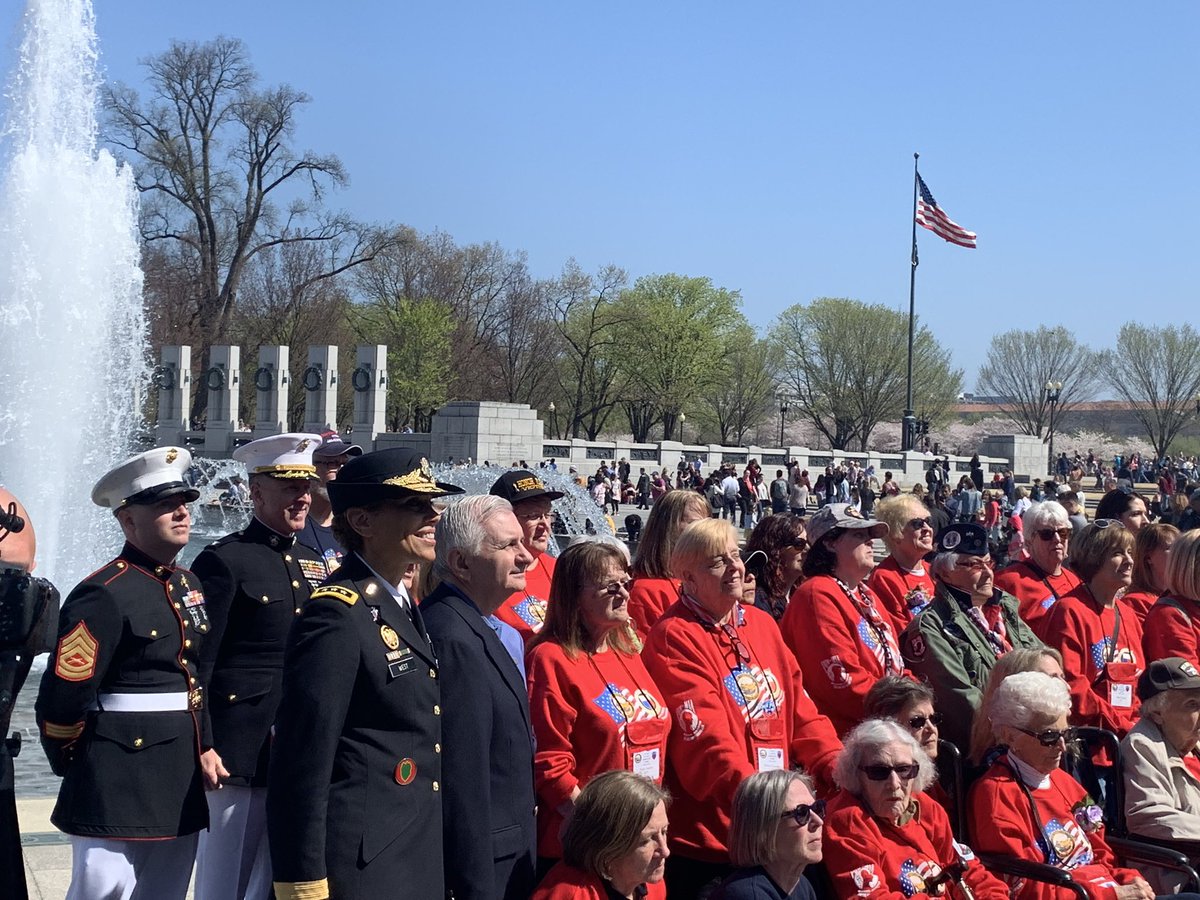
(1048, 853)
(1110, 652)
(866, 606)
(710, 625)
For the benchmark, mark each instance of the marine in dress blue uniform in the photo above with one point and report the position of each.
(354, 809)
(488, 799)
(256, 582)
(121, 709)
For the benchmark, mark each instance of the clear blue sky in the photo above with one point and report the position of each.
(767, 146)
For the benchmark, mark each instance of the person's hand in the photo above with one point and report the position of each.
(212, 770)
(1138, 889)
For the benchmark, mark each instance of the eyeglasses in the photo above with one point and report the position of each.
(915, 723)
(613, 588)
(882, 773)
(804, 812)
(1050, 737)
(1048, 534)
(976, 563)
(743, 653)
(1106, 523)
(917, 524)
(536, 516)
(800, 544)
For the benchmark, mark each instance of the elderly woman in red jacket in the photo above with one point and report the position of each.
(844, 640)
(737, 698)
(887, 840)
(1025, 786)
(592, 704)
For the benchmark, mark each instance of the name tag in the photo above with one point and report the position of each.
(401, 667)
(647, 764)
(770, 759)
(1120, 695)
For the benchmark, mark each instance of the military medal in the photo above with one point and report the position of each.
(389, 636)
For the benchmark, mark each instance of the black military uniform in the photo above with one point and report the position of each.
(128, 631)
(255, 581)
(354, 804)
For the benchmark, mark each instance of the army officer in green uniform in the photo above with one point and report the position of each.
(954, 642)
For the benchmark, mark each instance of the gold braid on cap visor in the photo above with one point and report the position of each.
(289, 471)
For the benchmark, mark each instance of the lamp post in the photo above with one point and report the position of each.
(783, 408)
(682, 419)
(553, 420)
(1053, 393)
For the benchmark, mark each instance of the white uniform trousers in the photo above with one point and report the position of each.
(234, 861)
(112, 869)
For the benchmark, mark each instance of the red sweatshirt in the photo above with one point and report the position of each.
(1001, 821)
(1173, 632)
(1140, 602)
(526, 610)
(579, 709)
(871, 857)
(732, 719)
(1035, 591)
(899, 591)
(1102, 677)
(840, 653)
(565, 882)
(649, 598)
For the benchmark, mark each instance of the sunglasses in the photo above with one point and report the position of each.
(917, 722)
(804, 812)
(740, 649)
(613, 588)
(1048, 534)
(883, 773)
(1050, 737)
(1106, 523)
(800, 544)
(916, 524)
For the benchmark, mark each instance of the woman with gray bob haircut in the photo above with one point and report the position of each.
(887, 839)
(1039, 581)
(774, 833)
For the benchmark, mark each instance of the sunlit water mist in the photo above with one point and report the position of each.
(72, 330)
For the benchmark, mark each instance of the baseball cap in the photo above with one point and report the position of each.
(963, 537)
(519, 484)
(844, 516)
(1170, 674)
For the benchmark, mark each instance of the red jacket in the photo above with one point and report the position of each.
(1173, 632)
(649, 598)
(900, 592)
(579, 709)
(526, 610)
(731, 719)
(871, 857)
(1102, 678)
(1140, 602)
(1035, 591)
(565, 882)
(1001, 821)
(840, 654)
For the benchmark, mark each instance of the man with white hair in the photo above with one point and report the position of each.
(487, 766)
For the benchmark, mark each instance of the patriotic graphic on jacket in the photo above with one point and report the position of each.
(1069, 846)
(531, 611)
(868, 636)
(1101, 649)
(624, 705)
(755, 690)
(916, 599)
(913, 875)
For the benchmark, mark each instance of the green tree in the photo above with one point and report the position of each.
(674, 341)
(743, 395)
(846, 361)
(1157, 372)
(1021, 363)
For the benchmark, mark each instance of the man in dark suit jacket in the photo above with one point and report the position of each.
(354, 808)
(487, 767)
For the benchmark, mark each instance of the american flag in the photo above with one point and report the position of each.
(933, 217)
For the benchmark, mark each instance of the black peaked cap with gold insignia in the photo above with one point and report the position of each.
(396, 474)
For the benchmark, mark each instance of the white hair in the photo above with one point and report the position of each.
(1047, 514)
(611, 540)
(1026, 699)
(943, 564)
(462, 528)
(870, 736)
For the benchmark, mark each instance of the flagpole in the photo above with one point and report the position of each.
(908, 432)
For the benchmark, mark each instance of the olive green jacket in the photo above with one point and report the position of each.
(944, 648)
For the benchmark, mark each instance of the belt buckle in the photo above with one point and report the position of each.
(196, 698)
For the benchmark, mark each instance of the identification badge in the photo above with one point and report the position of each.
(401, 667)
(1120, 695)
(770, 759)
(646, 764)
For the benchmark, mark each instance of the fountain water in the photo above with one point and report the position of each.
(72, 328)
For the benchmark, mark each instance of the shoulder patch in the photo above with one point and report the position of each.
(337, 592)
(76, 657)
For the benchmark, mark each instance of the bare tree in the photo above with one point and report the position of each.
(743, 396)
(1157, 372)
(1020, 364)
(212, 155)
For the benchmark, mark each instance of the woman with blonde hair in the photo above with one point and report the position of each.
(654, 588)
(1173, 623)
(1151, 549)
(901, 582)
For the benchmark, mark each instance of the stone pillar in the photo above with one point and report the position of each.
(369, 381)
(221, 380)
(271, 389)
(173, 378)
(320, 389)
